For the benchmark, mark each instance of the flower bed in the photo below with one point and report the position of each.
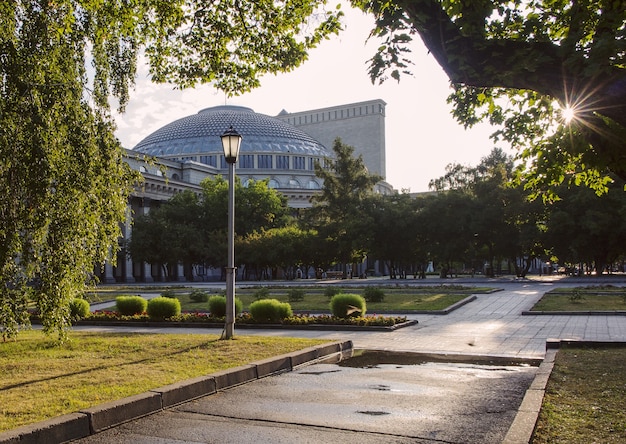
(245, 320)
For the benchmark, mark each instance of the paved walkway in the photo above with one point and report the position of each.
(493, 324)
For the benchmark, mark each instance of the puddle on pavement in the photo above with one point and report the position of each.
(374, 358)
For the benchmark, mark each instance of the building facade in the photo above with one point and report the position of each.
(282, 149)
(361, 125)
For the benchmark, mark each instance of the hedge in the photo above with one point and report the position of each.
(346, 305)
(130, 305)
(270, 310)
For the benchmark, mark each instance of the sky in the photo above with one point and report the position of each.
(421, 135)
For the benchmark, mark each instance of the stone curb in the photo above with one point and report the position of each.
(575, 313)
(323, 327)
(456, 306)
(523, 425)
(95, 419)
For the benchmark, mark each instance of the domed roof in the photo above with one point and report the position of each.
(200, 133)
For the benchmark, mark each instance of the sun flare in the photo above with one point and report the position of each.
(568, 114)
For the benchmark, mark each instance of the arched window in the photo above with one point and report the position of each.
(293, 183)
(273, 183)
(313, 185)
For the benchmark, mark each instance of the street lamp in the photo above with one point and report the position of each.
(231, 141)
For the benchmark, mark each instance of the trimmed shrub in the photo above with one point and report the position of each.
(198, 296)
(168, 294)
(345, 305)
(262, 293)
(217, 306)
(130, 305)
(79, 309)
(163, 308)
(329, 292)
(373, 294)
(296, 294)
(270, 310)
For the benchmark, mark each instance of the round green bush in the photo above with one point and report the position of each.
(270, 310)
(296, 294)
(262, 293)
(217, 306)
(79, 309)
(373, 294)
(130, 305)
(168, 294)
(198, 295)
(345, 305)
(163, 308)
(331, 291)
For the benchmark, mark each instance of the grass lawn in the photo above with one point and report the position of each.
(585, 399)
(317, 302)
(583, 299)
(40, 379)
(397, 299)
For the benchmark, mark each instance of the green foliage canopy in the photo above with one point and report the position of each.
(519, 65)
(63, 183)
(191, 230)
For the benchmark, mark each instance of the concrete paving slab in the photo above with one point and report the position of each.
(429, 402)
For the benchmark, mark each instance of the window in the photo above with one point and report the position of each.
(293, 183)
(312, 163)
(209, 160)
(223, 163)
(273, 183)
(313, 185)
(282, 162)
(299, 163)
(246, 161)
(265, 161)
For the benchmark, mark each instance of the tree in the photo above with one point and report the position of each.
(168, 234)
(191, 230)
(446, 222)
(584, 228)
(257, 206)
(338, 212)
(64, 184)
(524, 65)
(395, 233)
(505, 223)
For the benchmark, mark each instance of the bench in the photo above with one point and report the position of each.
(334, 274)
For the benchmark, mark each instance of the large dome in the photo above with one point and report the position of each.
(200, 134)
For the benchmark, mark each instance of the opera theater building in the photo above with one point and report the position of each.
(282, 149)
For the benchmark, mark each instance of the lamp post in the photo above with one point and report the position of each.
(231, 141)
